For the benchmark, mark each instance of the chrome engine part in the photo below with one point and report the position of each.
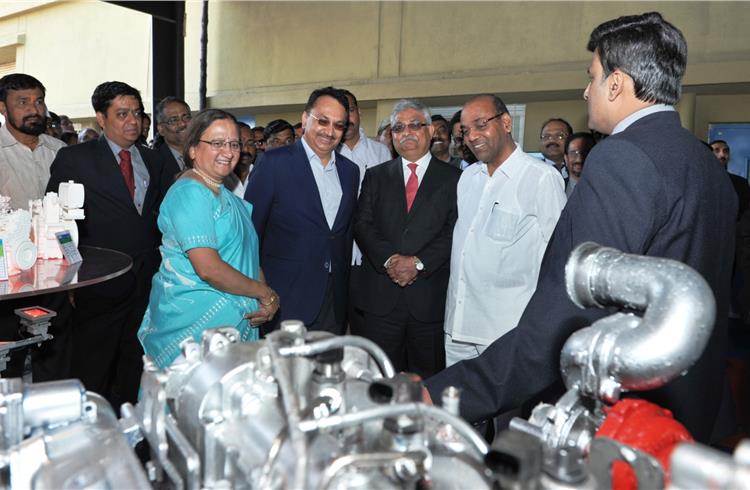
(55, 435)
(298, 410)
(624, 351)
(309, 410)
(696, 466)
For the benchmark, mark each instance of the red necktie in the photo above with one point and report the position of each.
(411, 186)
(126, 167)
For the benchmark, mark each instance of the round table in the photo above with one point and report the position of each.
(53, 275)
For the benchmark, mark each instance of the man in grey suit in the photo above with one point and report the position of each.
(650, 188)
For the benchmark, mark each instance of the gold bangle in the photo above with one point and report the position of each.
(270, 302)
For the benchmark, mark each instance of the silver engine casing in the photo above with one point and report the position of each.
(297, 410)
(56, 435)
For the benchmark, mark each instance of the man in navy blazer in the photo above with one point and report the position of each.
(123, 185)
(303, 199)
(650, 188)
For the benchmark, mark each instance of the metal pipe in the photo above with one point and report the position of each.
(318, 346)
(358, 418)
(291, 407)
(624, 351)
(366, 460)
(280, 439)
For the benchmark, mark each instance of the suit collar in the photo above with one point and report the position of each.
(637, 115)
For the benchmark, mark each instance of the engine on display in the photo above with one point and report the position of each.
(306, 410)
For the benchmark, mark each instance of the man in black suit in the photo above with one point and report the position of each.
(404, 225)
(123, 189)
(651, 188)
(172, 119)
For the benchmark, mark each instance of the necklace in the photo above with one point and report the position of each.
(208, 180)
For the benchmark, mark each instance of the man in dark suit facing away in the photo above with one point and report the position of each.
(303, 198)
(404, 225)
(650, 188)
(123, 186)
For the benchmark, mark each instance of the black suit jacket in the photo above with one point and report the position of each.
(382, 227)
(112, 220)
(655, 190)
(171, 167)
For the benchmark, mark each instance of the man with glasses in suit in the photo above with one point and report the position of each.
(404, 225)
(303, 198)
(172, 118)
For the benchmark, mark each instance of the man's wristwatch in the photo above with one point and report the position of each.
(418, 264)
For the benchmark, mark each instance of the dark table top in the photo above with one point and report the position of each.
(49, 276)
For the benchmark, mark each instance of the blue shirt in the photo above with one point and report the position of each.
(327, 180)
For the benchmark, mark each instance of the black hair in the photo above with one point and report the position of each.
(456, 119)
(649, 49)
(69, 138)
(328, 92)
(438, 117)
(162, 105)
(18, 81)
(241, 125)
(346, 92)
(198, 125)
(276, 126)
(568, 127)
(106, 92)
(298, 125)
(580, 135)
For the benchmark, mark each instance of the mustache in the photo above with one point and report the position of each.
(406, 138)
(551, 144)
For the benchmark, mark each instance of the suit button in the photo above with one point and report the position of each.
(327, 265)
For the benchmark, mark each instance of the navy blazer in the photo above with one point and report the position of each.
(383, 227)
(653, 189)
(297, 245)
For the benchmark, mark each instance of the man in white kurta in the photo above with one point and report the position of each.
(508, 206)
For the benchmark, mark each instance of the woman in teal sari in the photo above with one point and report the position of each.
(209, 276)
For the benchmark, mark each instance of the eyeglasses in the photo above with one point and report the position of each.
(478, 125)
(219, 145)
(324, 122)
(123, 114)
(440, 129)
(280, 142)
(578, 153)
(554, 136)
(412, 126)
(172, 121)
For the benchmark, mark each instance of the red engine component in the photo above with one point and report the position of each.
(646, 427)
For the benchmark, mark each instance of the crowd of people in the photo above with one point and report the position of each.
(440, 240)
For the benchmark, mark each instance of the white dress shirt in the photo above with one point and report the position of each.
(24, 173)
(366, 154)
(422, 163)
(504, 223)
